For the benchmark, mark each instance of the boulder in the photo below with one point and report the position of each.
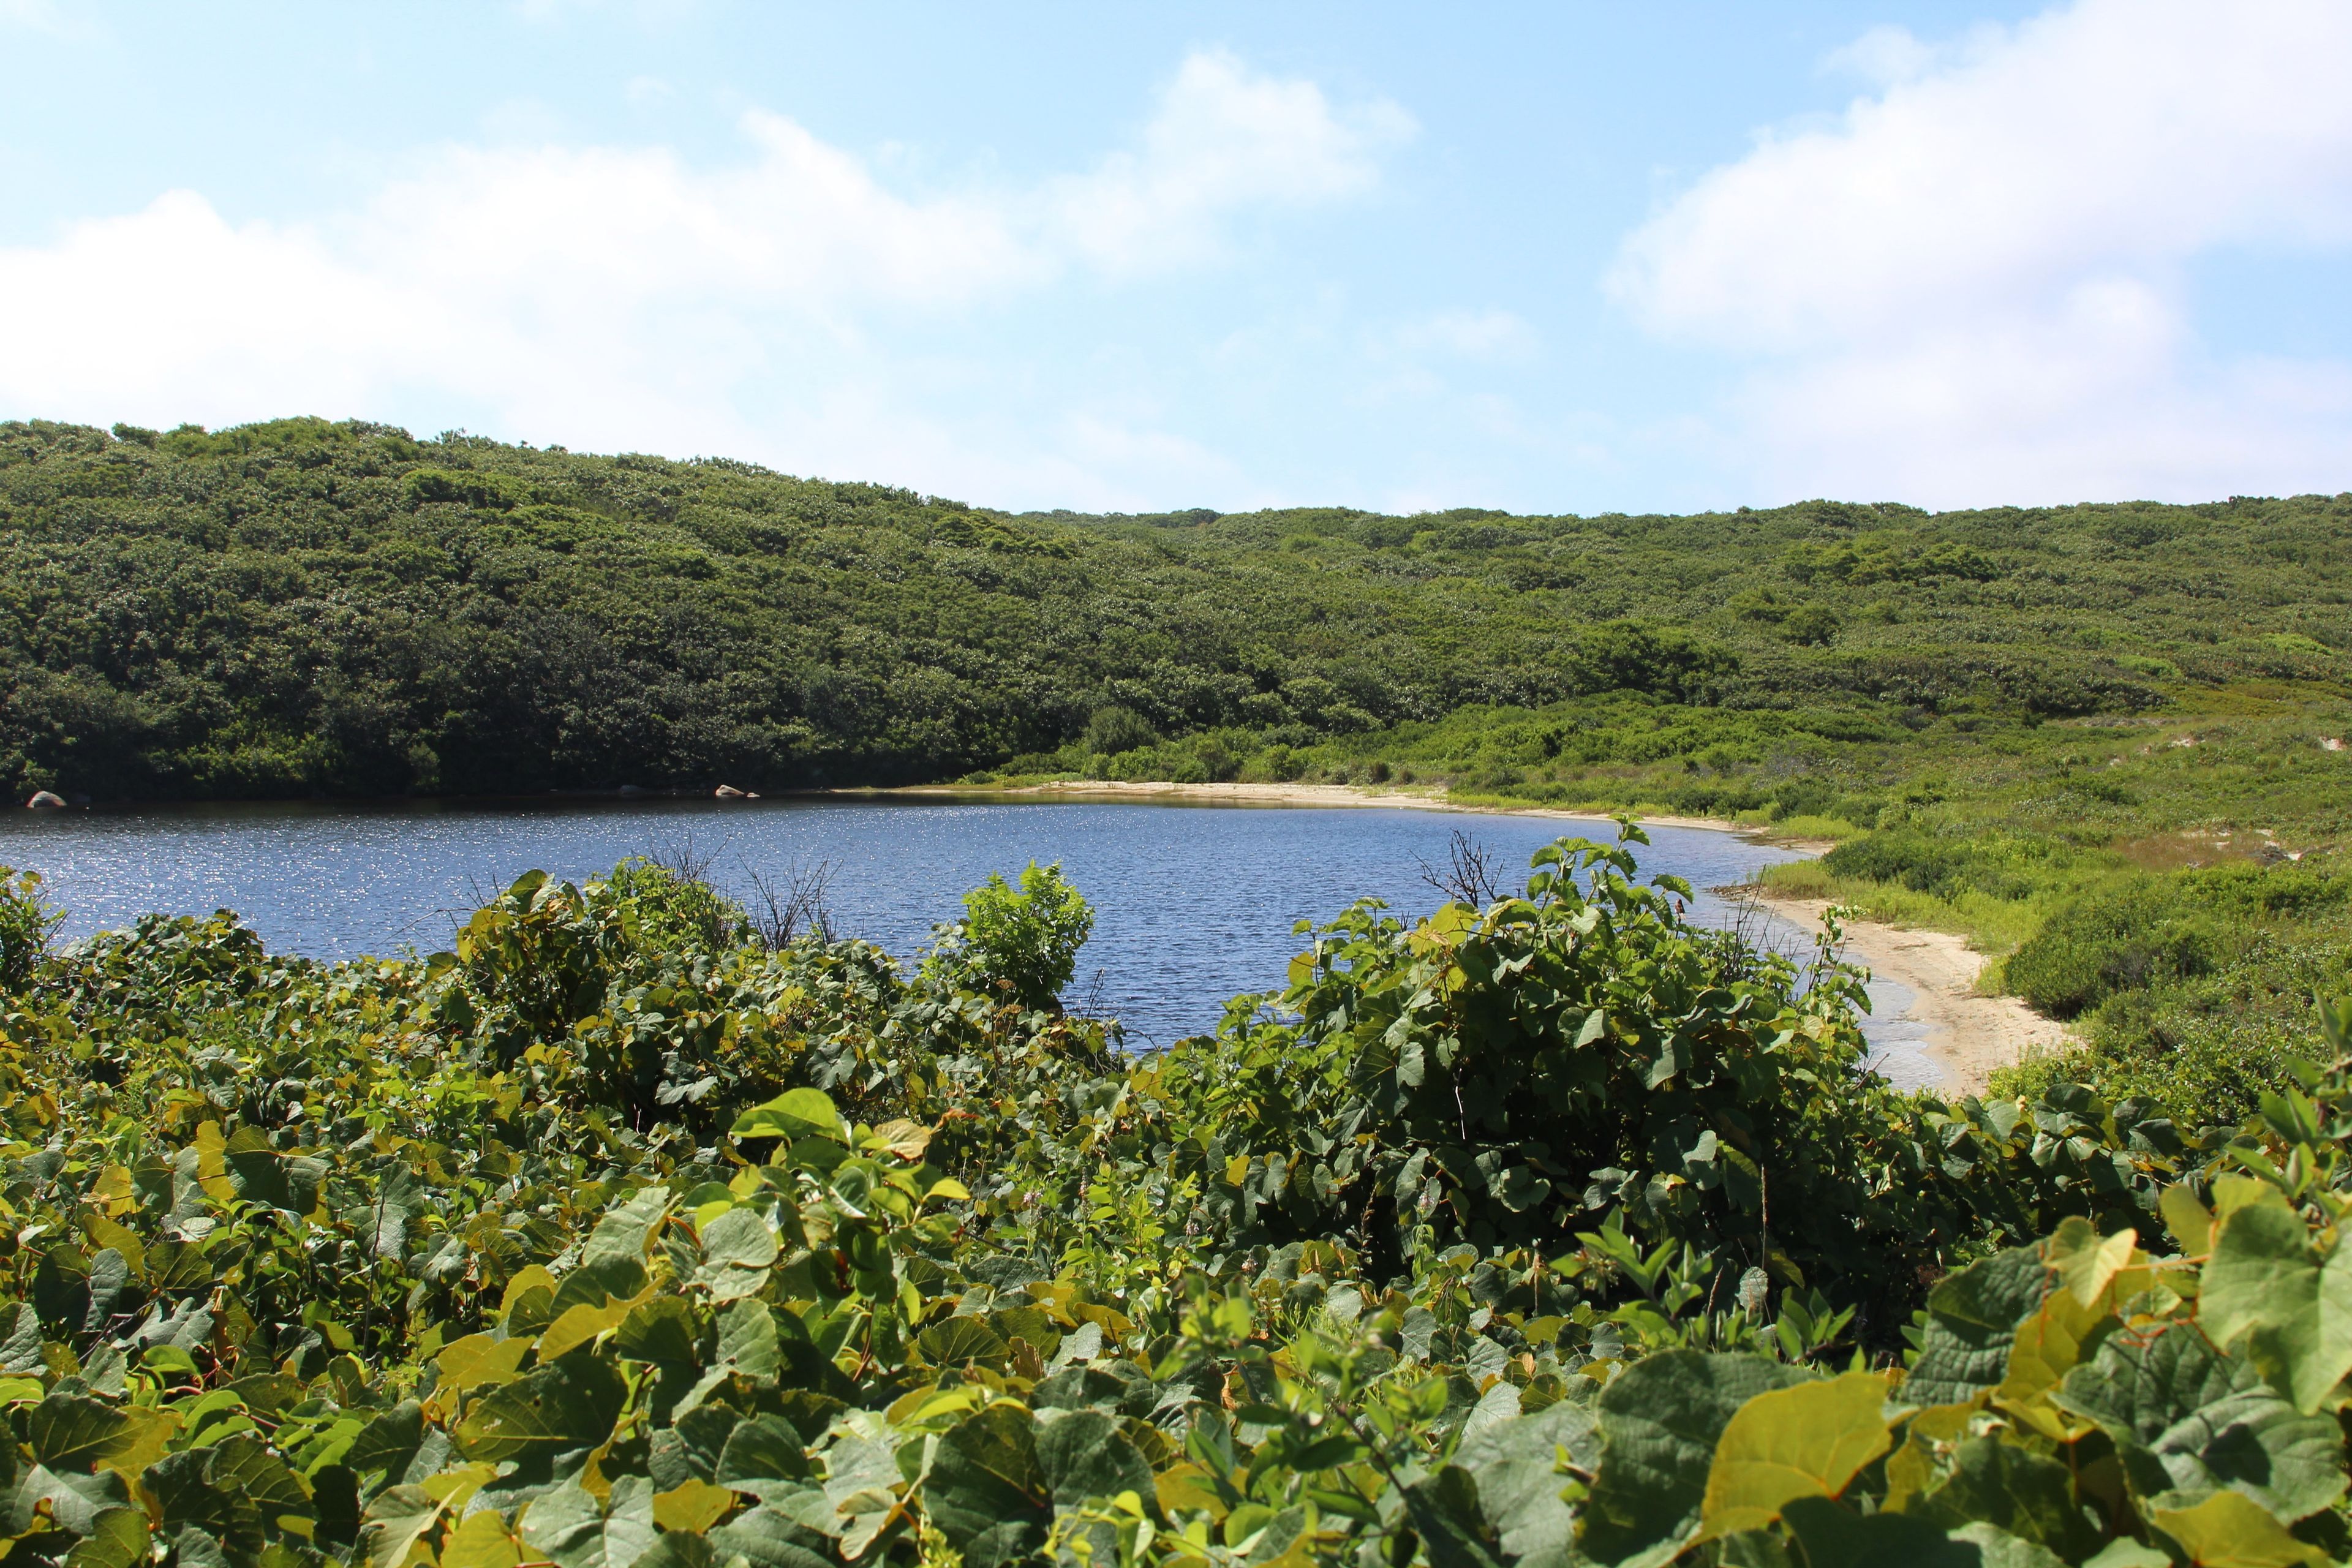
(44, 801)
(727, 791)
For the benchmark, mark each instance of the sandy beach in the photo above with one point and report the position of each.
(1406, 796)
(1966, 1034)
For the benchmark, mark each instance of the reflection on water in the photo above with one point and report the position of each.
(1195, 904)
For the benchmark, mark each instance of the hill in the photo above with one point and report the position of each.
(306, 608)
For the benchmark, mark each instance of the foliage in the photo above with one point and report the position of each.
(304, 607)
(396, 1264)
(1021, 941)
(27, 921)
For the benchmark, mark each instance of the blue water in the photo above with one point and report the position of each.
(1194, 903)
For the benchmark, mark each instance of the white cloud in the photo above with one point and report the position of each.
(621, 297)
(1971, 287)
(1222, 138)
(1490, 335)
(1884, 55)
(46, 16)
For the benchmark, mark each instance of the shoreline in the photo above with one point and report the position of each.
(1409, 797)
(1966, 1032)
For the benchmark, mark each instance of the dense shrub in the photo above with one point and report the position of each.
(2122, 935)
(1023, 942)
(310, 1264)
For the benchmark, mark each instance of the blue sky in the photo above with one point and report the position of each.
(1550, 259)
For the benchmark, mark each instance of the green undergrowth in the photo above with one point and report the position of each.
(1555, 1231)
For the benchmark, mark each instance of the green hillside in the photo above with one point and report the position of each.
(301, 607)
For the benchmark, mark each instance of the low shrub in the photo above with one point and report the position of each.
(2124, 934)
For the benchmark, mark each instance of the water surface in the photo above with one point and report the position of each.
(1194, 903)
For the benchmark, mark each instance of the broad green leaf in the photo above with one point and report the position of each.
(679, 1548)
(1660, 1421)
(70, 1432)
(2190, 1221)
(2024, 1494)
(393, 1521)
(661, 1330)
(1833, 1536)
(796, 1113)
(747, 1340)
(761, 1449)
(737, 1247)
(767, 1538)
(1083, 1456)
(2086, 1261)
(118, 1538)
(2123, 1552)
(243, 1467)
(2047, 1345)
(151, 1432)
(570, 1527)
(693, 1507)
(959, 1340)
(2191, 1420)
(2263, 1281)
(985, 1489)
(625, 1230)
(1972, 1318)
(1443, 1509)
(570, 1404)
(614, 1275)
(389, 1442)
(75, 1501)
(1517, 1465)
(1807, 1440)
(1997, 1548)
(2229, 1529)
(577, 1325)
(482, 1540)
(748, 1345)
(21, 1352)
(477, 1359)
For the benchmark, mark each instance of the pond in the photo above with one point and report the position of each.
(1194, 903)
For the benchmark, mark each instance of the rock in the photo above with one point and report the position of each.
(44, 801)
(727, 791)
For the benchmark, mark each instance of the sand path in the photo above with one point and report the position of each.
(1964, 1035)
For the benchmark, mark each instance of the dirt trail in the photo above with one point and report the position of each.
(1966, 1034)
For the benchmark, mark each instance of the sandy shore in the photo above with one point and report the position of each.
(1398, 796)
(1966, 1033)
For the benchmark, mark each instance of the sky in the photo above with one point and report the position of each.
(1559, 257)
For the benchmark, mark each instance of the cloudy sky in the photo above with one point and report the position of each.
(1550, 257)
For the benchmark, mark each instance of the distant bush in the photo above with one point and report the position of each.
(1913, 860)
(1114, 728)
(2120, 936)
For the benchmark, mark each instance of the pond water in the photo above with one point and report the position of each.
(1194, 903)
